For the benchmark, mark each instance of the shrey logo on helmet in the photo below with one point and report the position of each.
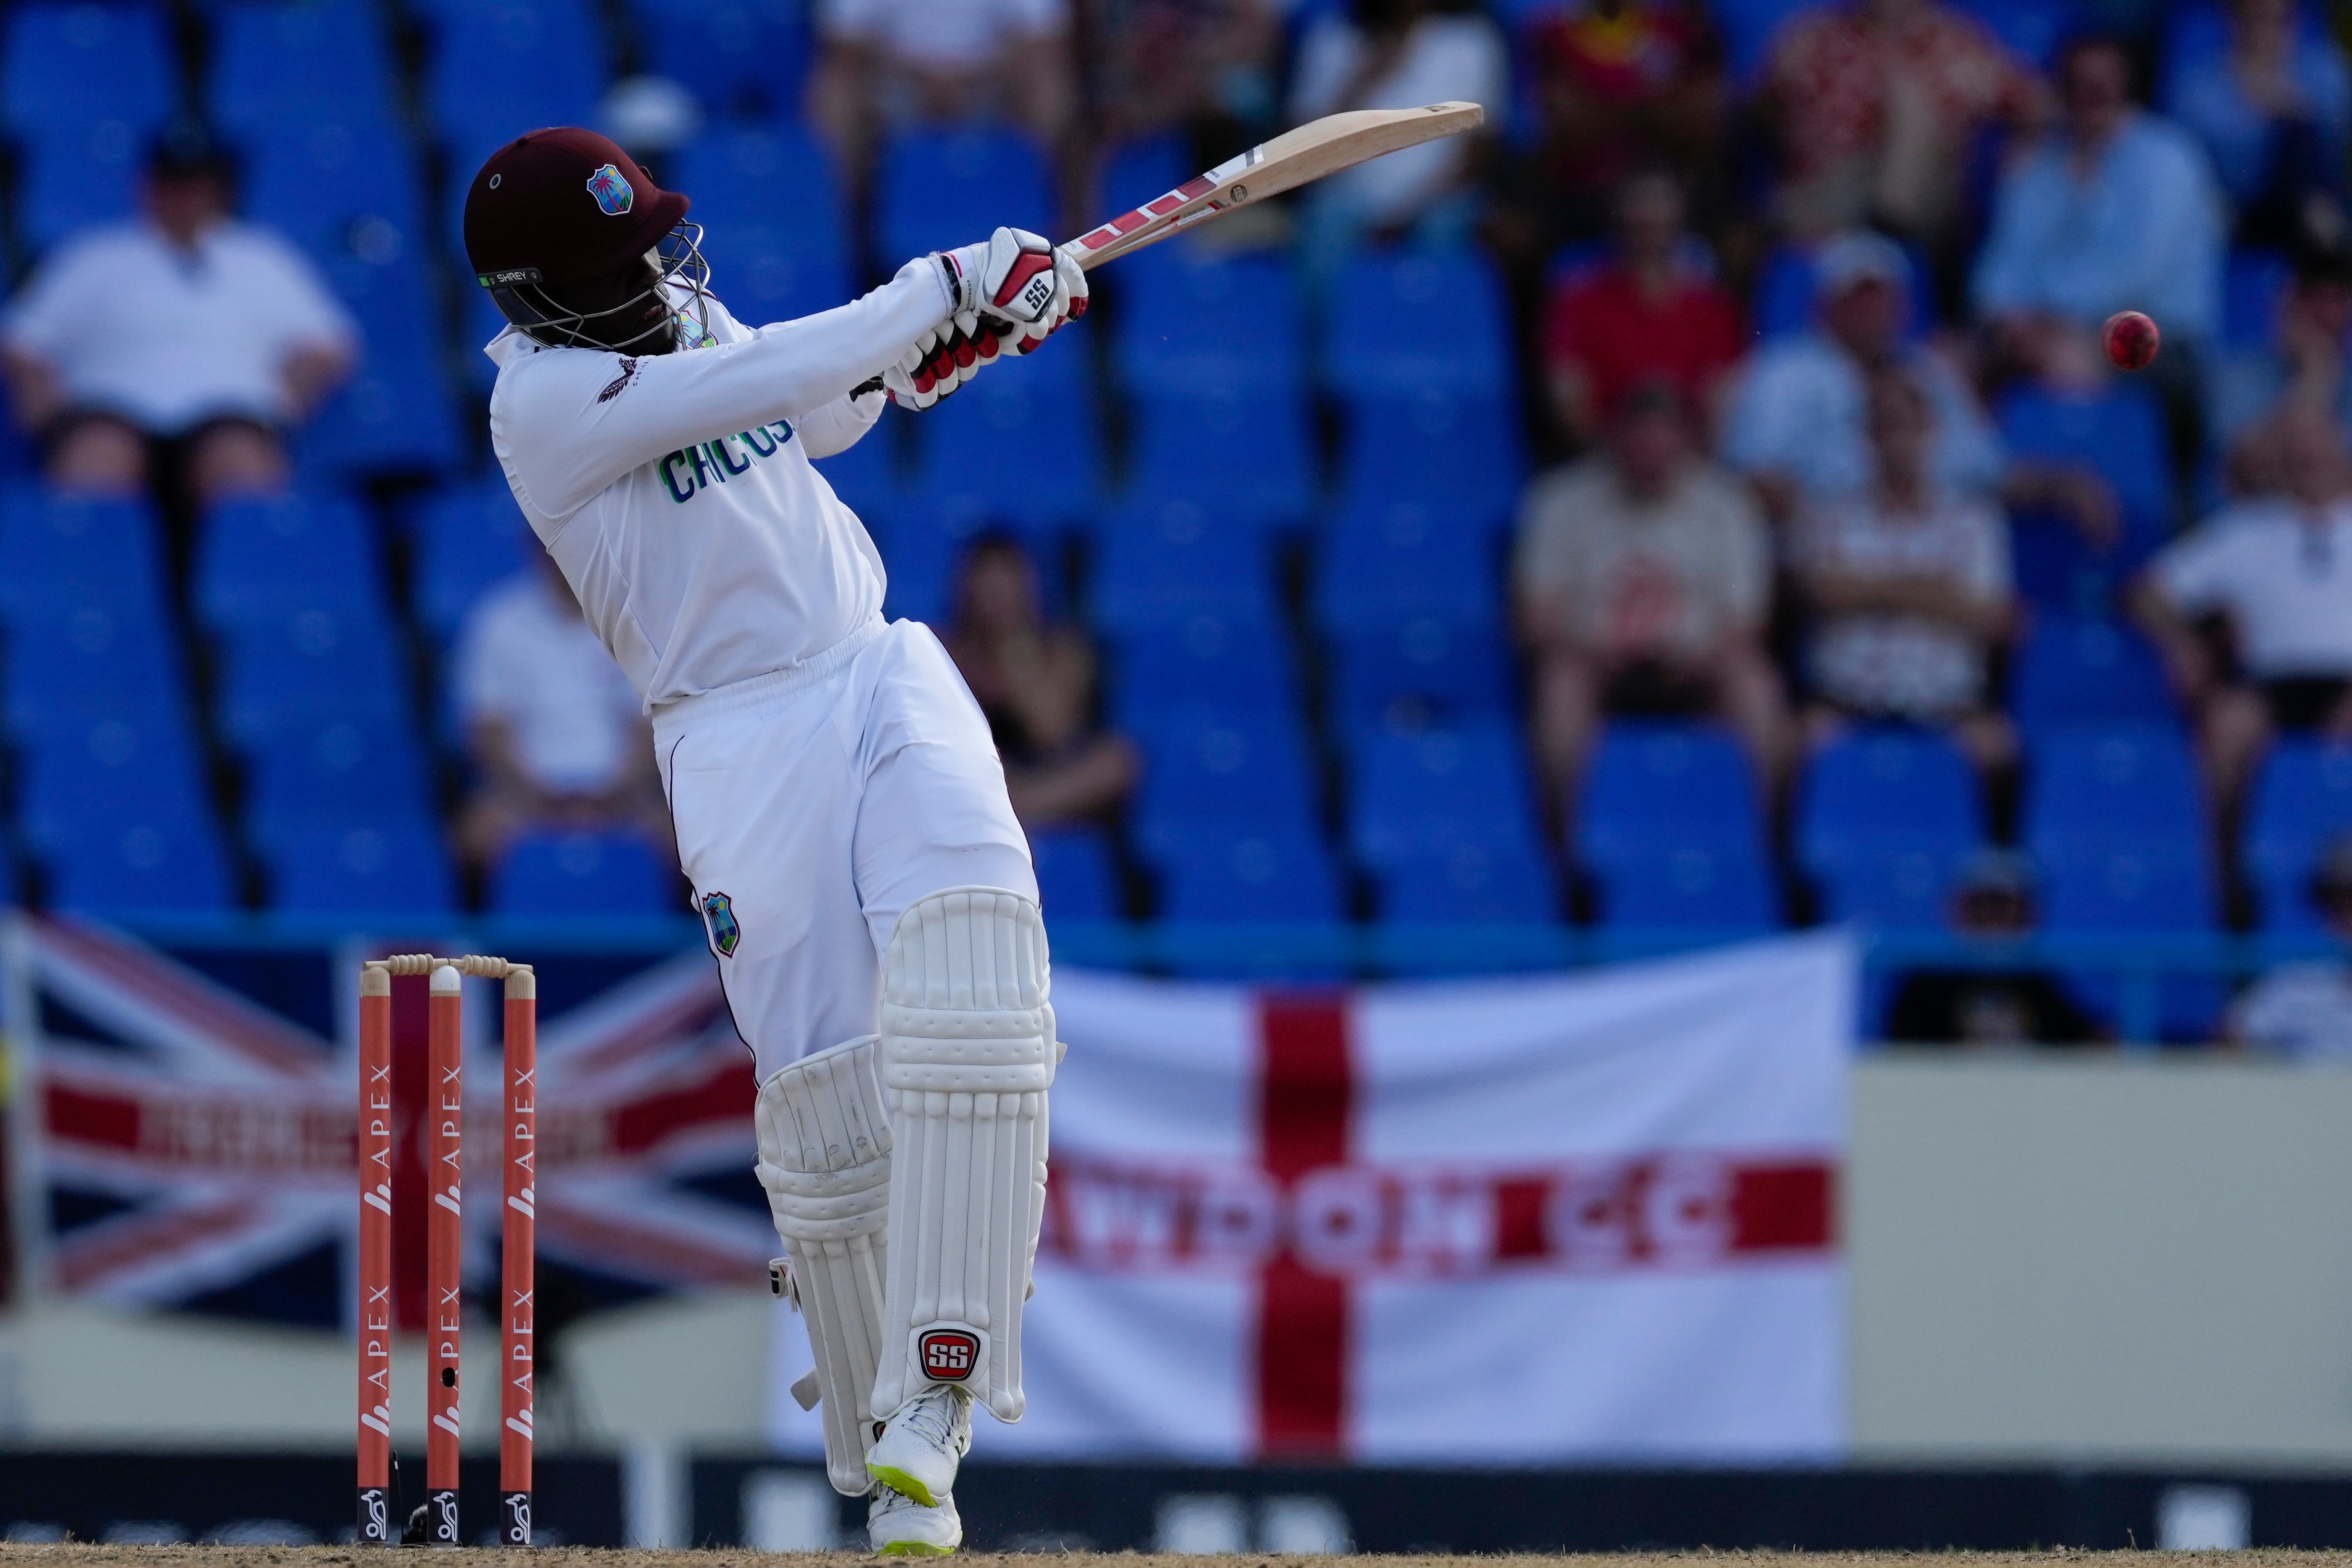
(611, 189)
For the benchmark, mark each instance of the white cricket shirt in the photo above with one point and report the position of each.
(675, 492)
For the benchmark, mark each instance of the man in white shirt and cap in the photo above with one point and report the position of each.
(177, 349)
(840, 811)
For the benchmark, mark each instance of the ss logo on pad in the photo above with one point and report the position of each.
(948, 1355)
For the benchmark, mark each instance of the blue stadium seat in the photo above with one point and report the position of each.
(1165, 561)
(1140, 171)
(73, 65)
(2130, 886)
(2034, 29)
(106, 768)
(1463, 451)
(741, 58)
(262, 556)
(2118, 434)
(2301, 803)
(1443, 819)
(323, 178)
(581, 874)
(1439, 786)
(936, 190)
(777, 237)
(57, 550)
(1424, 670)
(1012, 452)
(1390, 560)
(344, 771)
(1247, 455)
(1077, 878)
(1651, 780)
(279, 62)
(2113, 783)
(504, 66)
(74, 176)
(468, 537)
(1488, 878)
(1222, 873)
(1203, 764)
(2076, 671)
(1670, 826)
(138, 864)
(396, 867)
(1200, 323)
(2251, 286)
(310, 664)
(78, 662)
(1884, 820)
(1408, 323)
(1236, 666)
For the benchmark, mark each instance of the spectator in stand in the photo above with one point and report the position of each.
(2304, 1010)
(1989, 1007)
(1653, 310)
(2302, 361)
(2275, 572)
(1909, 587)
(1396, 54)
(2115, 210)
(1641, 581)
(1034, 679)
(1620, 84)
(1797, 424)
(1879, 103)
(2273, 110)
(1166, 64)
(556, 734)
(883, 63)
(174, 350)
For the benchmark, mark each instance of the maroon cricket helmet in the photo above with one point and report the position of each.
(565, 204)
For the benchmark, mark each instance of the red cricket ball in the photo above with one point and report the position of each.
(2131, 340)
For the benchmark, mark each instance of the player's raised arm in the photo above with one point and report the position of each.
(580, 250)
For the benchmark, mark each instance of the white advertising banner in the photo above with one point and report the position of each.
(1587, 1217)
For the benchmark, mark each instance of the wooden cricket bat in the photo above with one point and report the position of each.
(1293, 159)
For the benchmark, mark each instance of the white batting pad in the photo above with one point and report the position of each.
(825, 1159)
(965, 1058)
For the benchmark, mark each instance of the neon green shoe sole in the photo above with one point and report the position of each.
(905, 1484)
(913, 1548)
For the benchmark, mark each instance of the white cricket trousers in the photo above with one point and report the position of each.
(814, 804)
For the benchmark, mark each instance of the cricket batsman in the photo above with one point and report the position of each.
(840, 809)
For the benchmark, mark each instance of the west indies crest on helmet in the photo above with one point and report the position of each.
(555, 213)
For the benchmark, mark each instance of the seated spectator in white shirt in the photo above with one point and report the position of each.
(885, 63)
(558, 737)
(1641, 581)
(1910, 591)
(2253, 609)
(2304, 1010)
(175, 349)
(1797, 426)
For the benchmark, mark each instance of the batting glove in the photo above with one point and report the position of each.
(939, 362)
(1022, 289)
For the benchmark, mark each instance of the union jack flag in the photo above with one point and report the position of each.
(181, 1145)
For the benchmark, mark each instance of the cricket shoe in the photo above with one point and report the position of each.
(898, 1526)
(920, 1447)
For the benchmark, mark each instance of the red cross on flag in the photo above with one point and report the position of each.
(1521, 1221)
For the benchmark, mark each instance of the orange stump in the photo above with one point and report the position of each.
(515, 1275)
(375, 1257)
(444, 1254)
